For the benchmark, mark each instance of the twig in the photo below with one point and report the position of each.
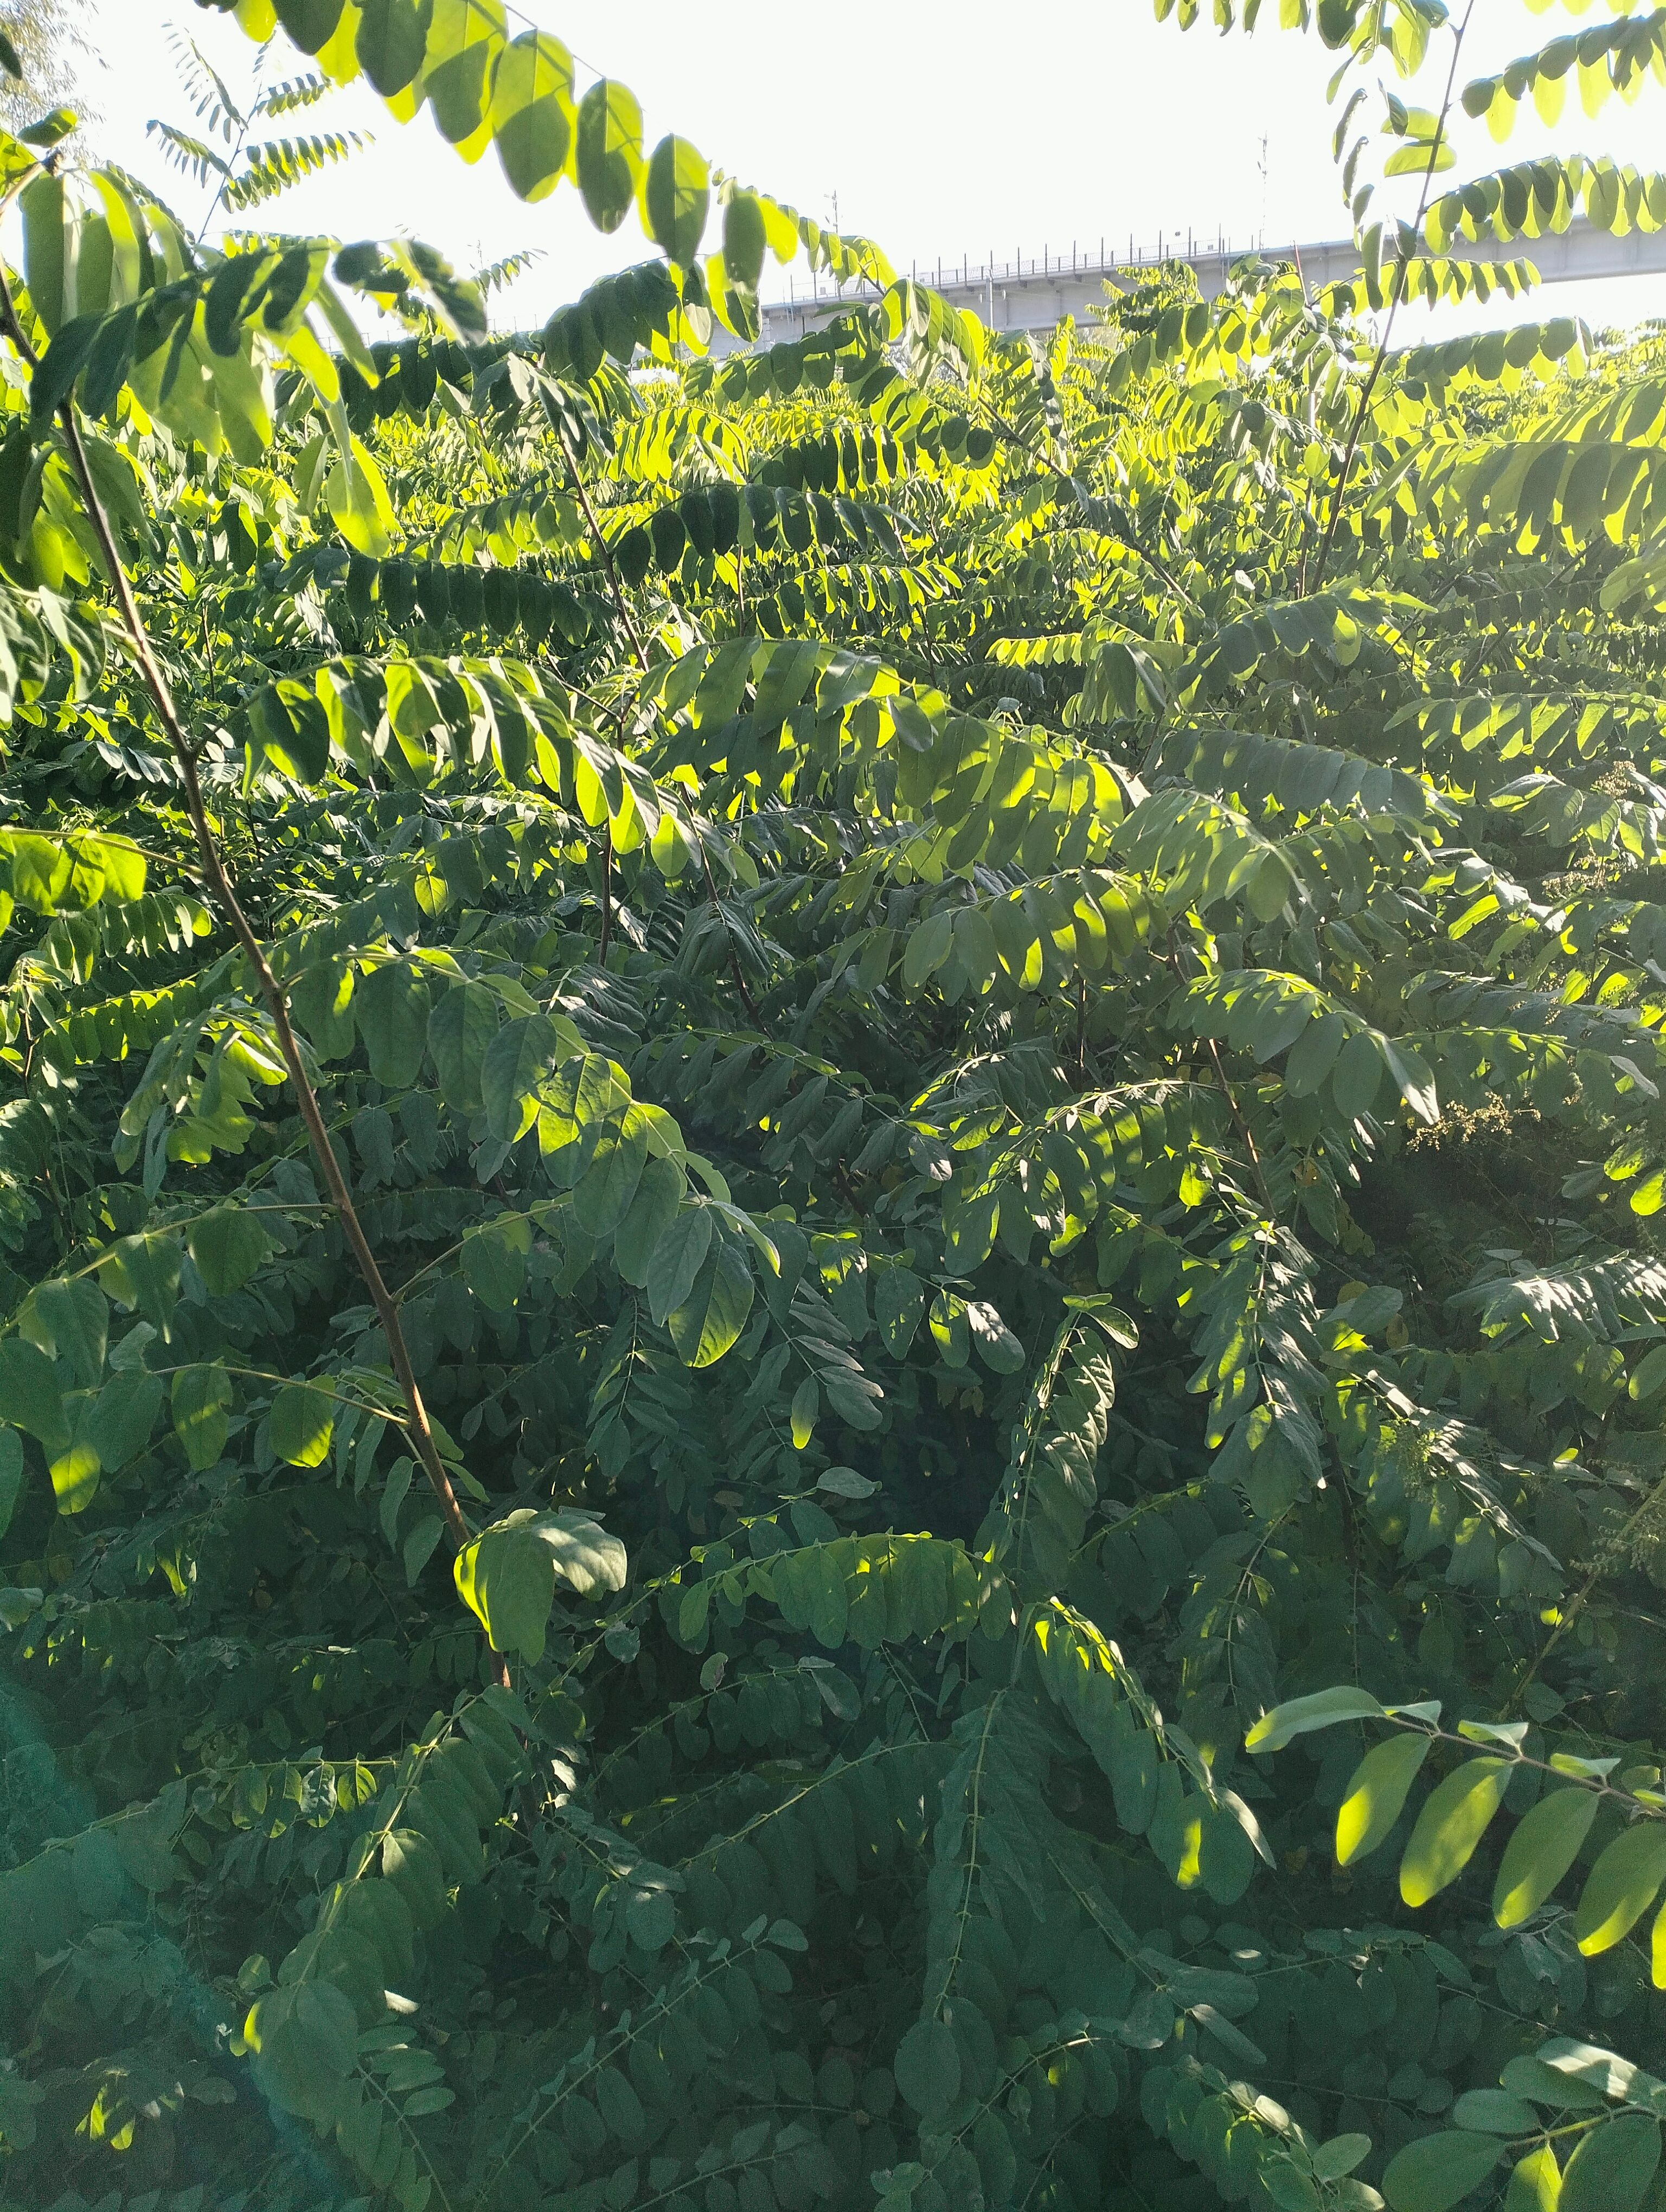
(577, 482)
(1243, 1126)
(636, 647)
(728, 939)
(602, 546)
(1602, 1560)
(1340, 495)
(225, 897)
(1229, 1095)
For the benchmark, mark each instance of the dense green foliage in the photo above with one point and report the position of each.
(992, 1010)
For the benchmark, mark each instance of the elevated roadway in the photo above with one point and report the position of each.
(1035, 294)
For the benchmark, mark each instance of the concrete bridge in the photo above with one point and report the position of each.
(1033, 292)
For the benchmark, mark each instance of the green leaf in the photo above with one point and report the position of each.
(1411, 1072)
(1314, 1055)
(1300, 1715)
(929, 947)
(801, 1414)
(40, 872)
(293, 729)
(654, 1212)
(1535, 2185)
(391, 41)
(1376, 1792)
(238, 289)
(677, 1259)
(621, 2106)
(507, 1575)
(899, 1305)
(508, 1579)
(1288, 2189)
(144, 1841)
(994, 1343)
(69, 1320)
(714, 1312)
(1419, 161)
(608, 150)
(411, 1863)
(1495, 2113)
(419, 1546)
(358, 502)
(303, 1420)
(227, 1245)
(460, 1030)
(586, 1556)
(310, 23)
(605, 1191)
(42, 201)
(693, 1611)
(54, 377)
(676, 196)
(29, 1395)
(532, 119)
(143, 1273)
(202, 1402)
(1540, 1852)
(1649, 1375)
(123, 867)
(391, 1006)
(122, 1416)
(1357, 1076)
(1621, 1886)
(845, 1482)
(585, 1092)
(1611, 2168)
(1339, 2156)
(495, 1262)
(1455, 1817)
(306, 2042)
(1432, 2174)
(1268, 887)
(633, 557)
(745, 239)
(1566, 2066)
(395, 1491)
(76, 1471)
(11, 1476)
(950, 1329)
(463, 44)
(927, 2068)
(517, 1059)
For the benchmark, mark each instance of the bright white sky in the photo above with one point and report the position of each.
(944, 127)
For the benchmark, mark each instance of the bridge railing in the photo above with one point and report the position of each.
(1100, 258)
(1029, 292)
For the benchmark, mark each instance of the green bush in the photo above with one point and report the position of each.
(833, 1343)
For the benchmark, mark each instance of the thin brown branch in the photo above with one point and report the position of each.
(1242, 1124)
(1339, 496)
(1605, 1557)
(629, 628)
(607, 894)
(225, 897)
(620, 602)
(746, 998)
